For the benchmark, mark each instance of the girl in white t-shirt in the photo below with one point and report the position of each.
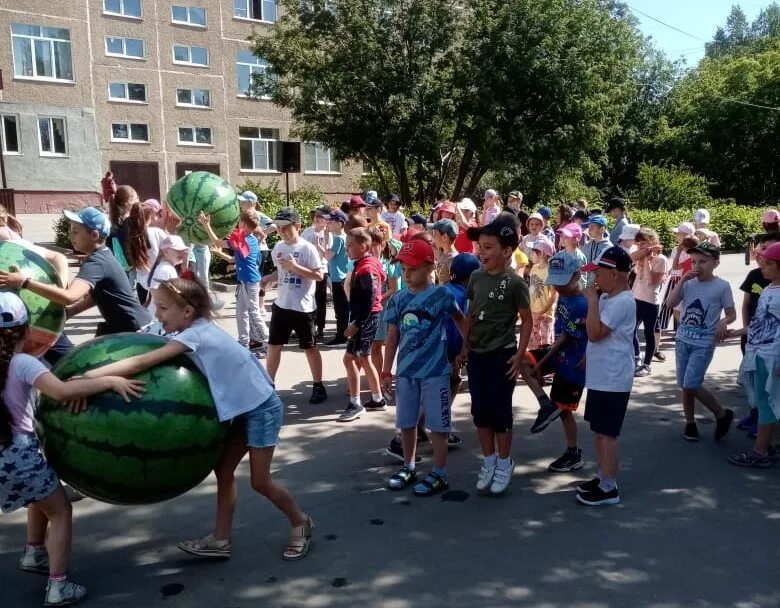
(650, 269)
(173, 254)
(243, 392)
(679, 264)
(27, 479)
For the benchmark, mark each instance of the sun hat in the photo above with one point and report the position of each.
(467, 204)
(545, 212)
(706, 248)
(770, 216)
(446, 227)
(490, 193)
(702, 216)
(685, 228)
(152, 204)
(596, 219)
(356, 202)
(286, 216)
(770, 253)
(504, 227)
(418, 219)
(463, 265)
(337, 215)
(248, 197)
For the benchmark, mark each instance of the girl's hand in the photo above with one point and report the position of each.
(76, 406)
(351, 330)
(12, 279)
(127, 387)
(204, 219)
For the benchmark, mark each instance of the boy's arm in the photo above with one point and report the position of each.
(61, 295)
(205, 221)
(466, 332)
(675, 297)
(270, 278)
(460, 321)
(391, 348)
(556, 346)
(722, 330)
(85, 303)
(361, 298)
(745, 312)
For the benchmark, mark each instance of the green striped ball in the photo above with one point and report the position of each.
(146, 451)
(209, 193)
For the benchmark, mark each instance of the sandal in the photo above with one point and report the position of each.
(208, 546)
(402, 479)
(453, 441)
(431, 485)
(300, 541)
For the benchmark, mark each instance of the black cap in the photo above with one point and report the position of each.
(393, 198)
(418, 219)
(286, 216)
(581, 214)
(616, 203)
(706, 248)
(504, 227)
(614, 258)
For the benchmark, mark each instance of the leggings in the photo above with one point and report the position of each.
(321, 300)
(647, 315)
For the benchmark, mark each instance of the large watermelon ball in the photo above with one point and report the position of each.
(47, 318)
(146, 451)
(206, 192)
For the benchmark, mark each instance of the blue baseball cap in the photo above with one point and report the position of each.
(545, 212)
(337, 215)
(463, 265)
(90, 218)
(596, 219)
(561, 267)
(446, 227)
(372, 199)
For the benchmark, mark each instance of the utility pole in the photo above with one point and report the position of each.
(2, 135)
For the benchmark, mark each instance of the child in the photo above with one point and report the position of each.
(702, 221)
(245, 395)
(609, 369)
(547, 230)
(386, 251)
(703, 297)
(650, 268)
(317, 234)
(762, 358)
(596, 243)
(26, 479)
(394, 217)
(565, 358)
(374, 210)
(571, 237)
(338, 262)
(298, 268)
(680, 265)
(496, 296)
(534, 224)
(627, 237)
(415, 317)
(491, 208)
(465, 218)
(444, 234)
(365, 304)
(252, 330)
(616, 207)
(173, 252)
(543, 296)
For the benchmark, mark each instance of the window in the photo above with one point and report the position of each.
(319, 159)
(129, 92)
(51, 136)
(125, 8)
(254, 76)
(41, 52)
(188, 15)
(132, 48)
(259, 10)
(190, 55)
(198, 98)
(258, 148)
(130, 132)
(194, 136)
(10, 126)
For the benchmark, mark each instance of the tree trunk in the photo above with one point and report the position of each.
(463, 171)
(402, 176)
(477, 174)
(380, 175)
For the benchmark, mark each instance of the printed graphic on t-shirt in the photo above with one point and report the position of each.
(764, 329)
(499, 293)
(692, 324)
(286, 277)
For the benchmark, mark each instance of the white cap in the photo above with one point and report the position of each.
(13, 312)
(702, 216)
(686, 228)
(248, 197)
(173, 241)
(629, 232)
(490, 193)
(467, 204)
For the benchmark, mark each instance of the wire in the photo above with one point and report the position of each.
(676, 29)
(746, 103)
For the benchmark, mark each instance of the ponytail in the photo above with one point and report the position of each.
(136, 238)
(9, 339)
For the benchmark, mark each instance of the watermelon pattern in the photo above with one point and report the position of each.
(47, 318)
(146, 451)
(206, 192)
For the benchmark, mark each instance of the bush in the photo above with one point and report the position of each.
(61, 228)
(670, 188)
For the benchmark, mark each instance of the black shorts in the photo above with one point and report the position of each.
(606, 411)
(284, 321)
(360, 345)
(564, 393)
(491, 390)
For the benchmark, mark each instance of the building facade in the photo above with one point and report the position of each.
(149, 89)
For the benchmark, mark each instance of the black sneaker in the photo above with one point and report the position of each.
(548, 412)
(598, 497)
(659, 356)
(351, 412)
(588, 486)
(318, 394)
(375, 406)
(691, 432)
(395, 450)
(453, 441)
(570, 461)
(723, 425)
(336, 341)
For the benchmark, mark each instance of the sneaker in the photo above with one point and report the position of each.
(588, 486)
(691, 432)
(485, 478)
(570, 461)
(501, 479)
(63, 593)
(396, 450)
(375, 406)
(723, 425)
(659, 356)
(351, 412)
(254, 345)
(208, 546)
(318, 394)
(642, 371)
(34, 560)
(746, 422)
(598, 497)
(402, 479)
(752, 459)
(453, 441)
(548, 412)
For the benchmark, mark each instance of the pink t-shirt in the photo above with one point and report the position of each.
(19, 394)
(642, 289)
(488, 215)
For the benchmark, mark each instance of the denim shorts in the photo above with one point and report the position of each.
(264, 423)
(766, 392)
(25, 476)
(433, 394)
(692, 364)
(360, 345)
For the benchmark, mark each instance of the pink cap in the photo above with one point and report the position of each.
(770, 253)
(770, 216)
(573, 231)
(448, 207)
(153, 204)
(545, 245)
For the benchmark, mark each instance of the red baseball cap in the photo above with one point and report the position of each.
(409, 234)
(449, 207)
(356, 201)
(416, 253)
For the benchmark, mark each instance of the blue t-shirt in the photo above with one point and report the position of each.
(420, 318)
(337, 266)
(454, 339)
(701, 307)
(247, 270)
(570, 317)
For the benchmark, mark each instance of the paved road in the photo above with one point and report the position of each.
(693, 531)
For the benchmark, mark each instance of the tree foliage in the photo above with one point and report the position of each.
(739, 36)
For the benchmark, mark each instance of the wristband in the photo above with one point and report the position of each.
(25, 283)
(385, 375)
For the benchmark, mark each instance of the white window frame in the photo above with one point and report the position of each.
(124, 54)
(260, 65)
(248, 4)
(189, 22)
(189, 62)
(31, 41)
(126, 98)
(194, 143)
(317, 170)
(264, 140)
(121, 12)
(5, 150)
(129, 139)
(51, 120)
(192, 98)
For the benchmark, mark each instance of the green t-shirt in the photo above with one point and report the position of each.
(494, 301)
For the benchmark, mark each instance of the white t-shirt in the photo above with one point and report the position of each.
(642, 289)
(155, 236)
(314, 237)
(397, 221)
(238, 381)
(19, 394)
(164, 271)
(609, 363)
(295, 291)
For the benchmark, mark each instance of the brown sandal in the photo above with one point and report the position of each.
(300, 541)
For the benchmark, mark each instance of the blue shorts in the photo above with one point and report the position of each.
(264, 423)
(766, 392)
(692, 364)
(433, 394)
(25, 477)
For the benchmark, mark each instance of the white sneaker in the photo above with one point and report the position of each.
(63, 593)
(35, 561)
(501, 478)
(485, 478)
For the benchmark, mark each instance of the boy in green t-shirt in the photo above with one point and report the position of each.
(496, 296)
